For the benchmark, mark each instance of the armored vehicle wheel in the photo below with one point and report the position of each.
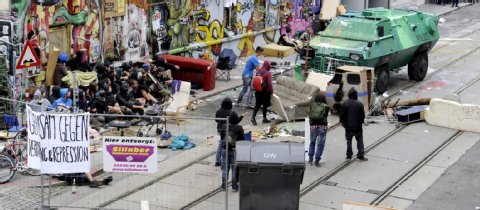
(383, 75)
(418, 67)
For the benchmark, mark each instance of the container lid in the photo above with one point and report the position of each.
(269, 153)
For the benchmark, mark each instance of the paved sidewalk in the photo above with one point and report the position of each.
(440, 9)
(457, 187)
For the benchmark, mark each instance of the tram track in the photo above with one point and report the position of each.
(158, 179)
(427, 159)
(322, 179)
(344, 165)
(384, 194)
(415, 169)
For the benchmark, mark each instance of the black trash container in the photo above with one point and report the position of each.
(270, 174)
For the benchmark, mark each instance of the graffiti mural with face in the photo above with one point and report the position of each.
(135, 35)
(159, 16)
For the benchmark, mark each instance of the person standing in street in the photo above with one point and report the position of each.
(247, 75)
(318, 128)
(263, 93)
(235, 133)
(222, 113)
(454, 3)
(352, 117)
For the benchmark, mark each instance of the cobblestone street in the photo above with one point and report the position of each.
(25, 198)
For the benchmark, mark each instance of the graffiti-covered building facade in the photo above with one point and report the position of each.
(129, 30)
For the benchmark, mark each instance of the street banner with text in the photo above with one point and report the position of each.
(58, 143)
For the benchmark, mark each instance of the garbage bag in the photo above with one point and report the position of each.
(181, 142)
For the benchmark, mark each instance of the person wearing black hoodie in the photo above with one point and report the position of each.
(55, 94)
(79, 62)
(236, 134)
(352, 117)
(222, 113)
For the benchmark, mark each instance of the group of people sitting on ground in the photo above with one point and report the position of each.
(303, 37)
(127, 90)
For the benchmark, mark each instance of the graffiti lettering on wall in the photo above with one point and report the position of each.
(208, 32)
(245, 45)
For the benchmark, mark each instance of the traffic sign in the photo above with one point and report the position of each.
(28, 58)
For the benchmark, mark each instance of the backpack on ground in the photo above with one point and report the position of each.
(317, 111)
(258, 83)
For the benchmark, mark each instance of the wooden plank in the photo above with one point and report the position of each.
(52, 62)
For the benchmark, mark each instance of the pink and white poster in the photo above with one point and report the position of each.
(129, 154)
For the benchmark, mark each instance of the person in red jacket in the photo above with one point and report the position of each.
(262, 98)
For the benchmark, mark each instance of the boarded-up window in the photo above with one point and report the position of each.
(59, 37)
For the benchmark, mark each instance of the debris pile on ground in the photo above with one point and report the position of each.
(273, 131)
(397, 111)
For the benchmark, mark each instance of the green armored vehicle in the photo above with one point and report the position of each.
(379, 38)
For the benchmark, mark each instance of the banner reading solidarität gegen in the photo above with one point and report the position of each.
(58, 143)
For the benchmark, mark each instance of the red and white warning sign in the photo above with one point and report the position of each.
(28, 58)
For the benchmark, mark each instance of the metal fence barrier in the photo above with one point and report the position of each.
(183, 180)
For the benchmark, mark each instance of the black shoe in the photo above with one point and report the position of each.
(253, 121)
(310, 160)
(348, 158)
(107, 180)
(265, 120)
(317, 163)
(363, 159)
(235, 190)
(94, 184)
(218, 164)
